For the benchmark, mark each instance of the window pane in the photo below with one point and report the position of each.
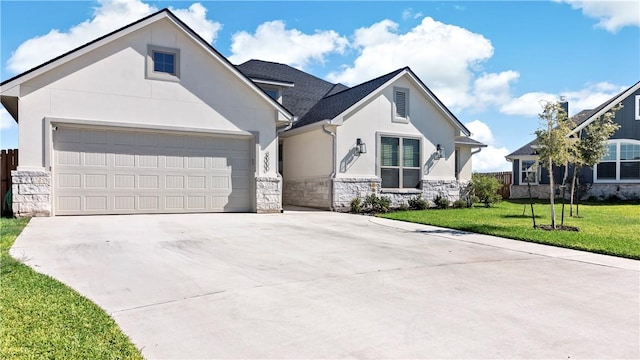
(629, 170)
(611, 153)
(607, 171)
(389, 151)
(390, 178)
(411, 178)
(411, 152)
(272, 93)
(164, 62)
(629, 152)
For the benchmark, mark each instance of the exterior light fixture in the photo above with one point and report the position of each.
(440, 152)
(361, 147)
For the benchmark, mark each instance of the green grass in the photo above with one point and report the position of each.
(612, 229)
(44, 319)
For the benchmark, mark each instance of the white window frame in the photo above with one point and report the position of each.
(277, 89)
(379, 166)
(637, 107)
(394, 115)
(618, 143)
(521, 170)
(156, 75)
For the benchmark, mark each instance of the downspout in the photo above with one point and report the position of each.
(333, 173)
(278, 132)
(475, 152)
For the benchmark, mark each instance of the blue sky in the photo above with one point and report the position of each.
(491, 63)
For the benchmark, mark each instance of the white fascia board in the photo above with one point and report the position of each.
(619, 99)
(10, 90)
(273, 82)
(303, 129)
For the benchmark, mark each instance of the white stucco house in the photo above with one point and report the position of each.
(151, 119)
(390, 136)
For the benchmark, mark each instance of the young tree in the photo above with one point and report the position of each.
(592, 145)
(555, 147)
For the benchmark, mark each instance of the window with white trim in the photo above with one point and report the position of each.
(400, 105)
(400, 162)
(163, 63)
(528, 171)
(621, 163)
(637, 107)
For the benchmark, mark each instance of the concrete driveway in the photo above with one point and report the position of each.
(328, 285)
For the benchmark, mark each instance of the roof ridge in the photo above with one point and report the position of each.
(367, 82)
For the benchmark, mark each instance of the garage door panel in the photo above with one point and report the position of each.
(125, 172)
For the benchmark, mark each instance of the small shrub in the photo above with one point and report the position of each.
(403, 207)
(418, 203)
(485, 188)
(356, 205)
(377, 204)
(442, 202)
(460, 203)
(613, 198)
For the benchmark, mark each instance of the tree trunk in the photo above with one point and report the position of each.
(573, 187)
(533, 215)
(552, 195)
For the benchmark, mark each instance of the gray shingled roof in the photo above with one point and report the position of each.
(578, 119)
(333, 105)
(306, 91)
(465, 140)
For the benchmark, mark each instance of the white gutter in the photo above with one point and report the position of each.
(333, 173)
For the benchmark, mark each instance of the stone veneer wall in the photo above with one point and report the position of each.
(313, 192)
(598, 191)
(31, 191)
(268, 194)
(346, 189)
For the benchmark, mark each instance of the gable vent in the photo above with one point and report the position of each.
(401, 104)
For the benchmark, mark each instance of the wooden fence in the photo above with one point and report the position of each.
(505, 178)
(8, 162)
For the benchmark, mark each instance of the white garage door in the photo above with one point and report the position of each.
(130, 172)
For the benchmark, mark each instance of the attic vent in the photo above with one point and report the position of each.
(401, 104)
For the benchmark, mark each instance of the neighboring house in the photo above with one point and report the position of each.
(389, 136)
(618, 175)
(147, 119)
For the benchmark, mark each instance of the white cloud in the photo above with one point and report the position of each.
(491, 158)
(273, 42)
(6, 121)
(108, 16)
(446, 57)
(493, 89)
(410, 14)
(529, 104)
(589, 97)
(613, 15)
(480, 131)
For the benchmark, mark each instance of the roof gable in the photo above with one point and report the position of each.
(9, 84)
(581, 119)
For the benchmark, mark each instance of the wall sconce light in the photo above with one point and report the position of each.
(440, 152)
(361, 147)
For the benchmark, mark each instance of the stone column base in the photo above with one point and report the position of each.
(31, 192)
(268, 194)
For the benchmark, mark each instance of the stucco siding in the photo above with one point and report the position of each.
(109, 85)
(374, 118)
(307, 155)
(464, 156)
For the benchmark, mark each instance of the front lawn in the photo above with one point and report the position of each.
(44, 319)
(612, 229)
